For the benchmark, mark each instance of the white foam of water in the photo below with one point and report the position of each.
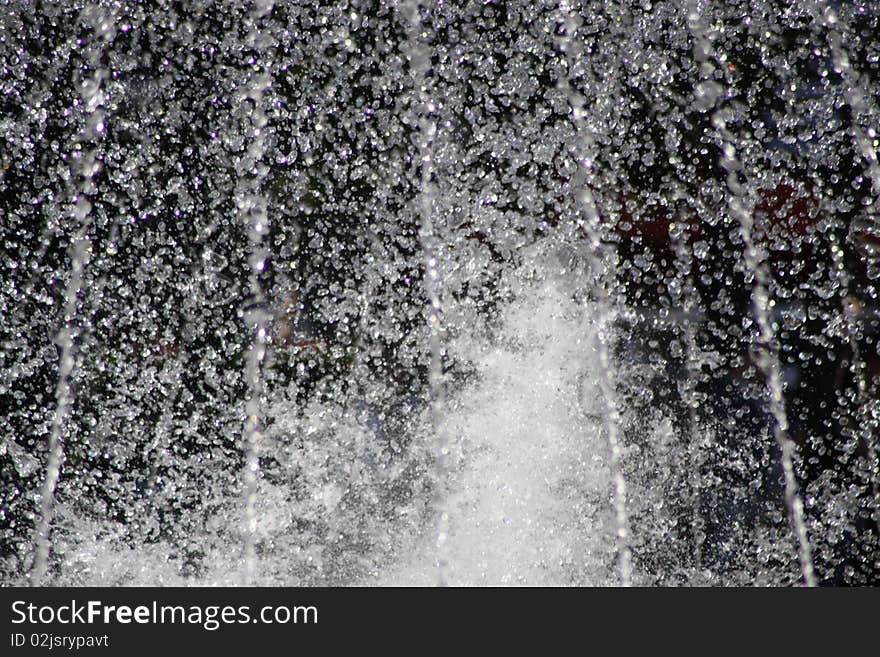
(529, 502)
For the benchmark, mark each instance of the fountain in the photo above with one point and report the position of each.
(457, 293)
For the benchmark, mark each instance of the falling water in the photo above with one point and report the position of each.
(600, 273)
(84, 167)
(768, 357)
(543, 281)
(419, 57)
(252, 208)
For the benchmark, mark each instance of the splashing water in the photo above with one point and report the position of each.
(459, 293)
